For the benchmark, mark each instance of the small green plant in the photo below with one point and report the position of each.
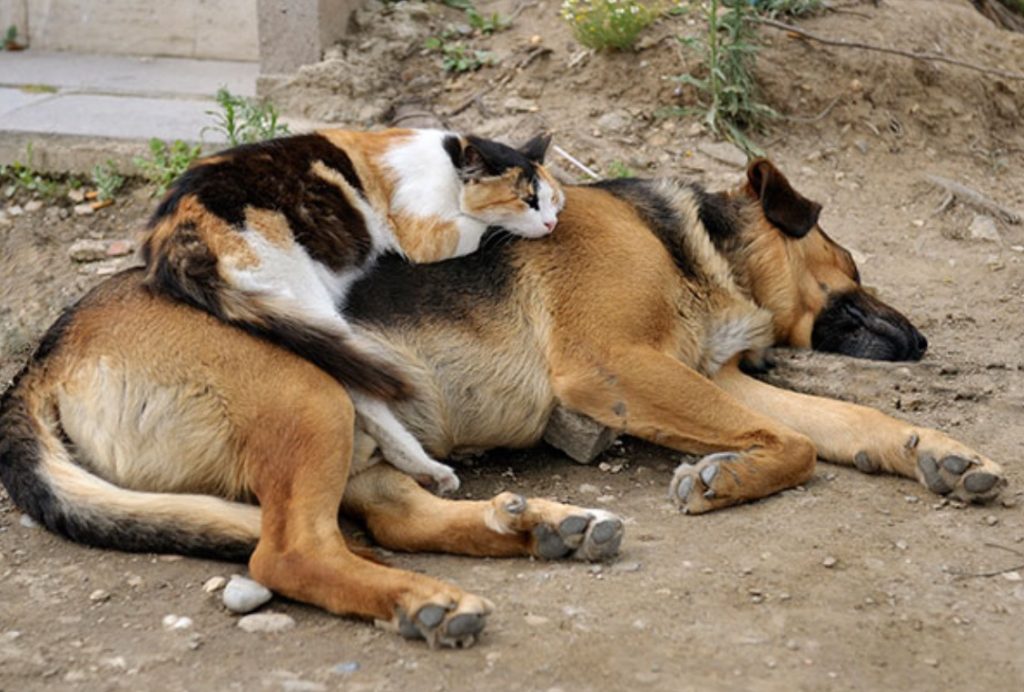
(456, 56)
(458, 4)
(166, 162)
(618, 169)
(10, 39)
(243, 120)
(106, 180)
(485, 24)
(23, 176)
(793, 8)
(609, 24)
(729, 94)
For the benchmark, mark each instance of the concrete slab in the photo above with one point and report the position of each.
(13, 99)
(116, 74)
(115, 117)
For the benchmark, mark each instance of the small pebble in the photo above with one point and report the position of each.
(214, 584)
(901, 545)
(177, 622)
(28, 522)
(34, 205)
(588, 489)
(933, 662)
(829, 562)
(84, 209)
(243, 595)
(536, 620)
(346, 668)
(76, 195)
(266, 622)
(99, 595)
(1012, 576)
(626, 567)
(991, 520)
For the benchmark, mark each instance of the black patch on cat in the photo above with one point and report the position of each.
(453, 147)
(395, 291)
(658, 213)
(277, 175)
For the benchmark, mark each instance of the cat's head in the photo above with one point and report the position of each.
(507, 187)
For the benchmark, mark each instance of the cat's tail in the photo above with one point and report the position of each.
(185, 268)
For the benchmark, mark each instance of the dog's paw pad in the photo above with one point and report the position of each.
(966, 477)
(693, 486)
(455, 625)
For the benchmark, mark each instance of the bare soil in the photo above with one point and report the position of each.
(740, 599)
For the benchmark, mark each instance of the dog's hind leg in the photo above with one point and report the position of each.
(297, 453)
(651, 395)
(403, 516)
(871, 440)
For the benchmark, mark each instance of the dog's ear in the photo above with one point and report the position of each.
(536, 148)
(791, 212)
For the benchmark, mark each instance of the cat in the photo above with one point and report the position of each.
(270, 237)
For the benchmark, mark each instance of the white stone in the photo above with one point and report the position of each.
(243, 595)
(177, 622)
(266, 622)
(214, 584)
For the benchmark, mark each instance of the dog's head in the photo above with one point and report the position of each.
(815, 295)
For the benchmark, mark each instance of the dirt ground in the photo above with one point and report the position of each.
(850, 583)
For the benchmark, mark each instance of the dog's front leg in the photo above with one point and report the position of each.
(651, 395)
(872, 441)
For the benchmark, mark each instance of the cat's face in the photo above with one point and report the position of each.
(509, 187)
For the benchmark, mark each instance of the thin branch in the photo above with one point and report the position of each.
(575, 161)
(844, 43)
(975, 199)
(996, 572)
(814, 118)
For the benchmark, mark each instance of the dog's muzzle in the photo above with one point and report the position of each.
(857, 324)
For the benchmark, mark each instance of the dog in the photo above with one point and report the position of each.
(142, 424)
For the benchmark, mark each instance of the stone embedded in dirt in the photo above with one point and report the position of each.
(514, 104)
(243, 595)
(1012, 576)
(829, 562)
(536, 620)
(28, 522)
(627, 567)
(119, 248)
(214, 584)
(266, 622)
(725, 152)
(84, 209)
(345, 668)
(99, 596)
(87, 250)
(984, 228)
(177, 622)
(588, 489)
(76, 196)
(33, 205)
(614, 121)
(15, 210)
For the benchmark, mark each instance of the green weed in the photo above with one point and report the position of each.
(609, 24)
(23, 176)
(793, 8)
(106, 180)
(729, 95)
(487, 25)
(243, 120)
(618, 169)
(166, 162)
(456, 56)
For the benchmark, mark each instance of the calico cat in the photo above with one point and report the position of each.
(270, 236)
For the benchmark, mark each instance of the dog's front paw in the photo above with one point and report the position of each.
(445, 622)
(948, 468)
(702, 487)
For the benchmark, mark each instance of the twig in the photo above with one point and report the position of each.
(995, 572)
(816, 118)
(574, 161)
(844, 43)
(469, 101)
(520, 8)
(975, 199)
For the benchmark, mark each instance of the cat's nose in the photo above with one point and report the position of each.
(550, 225)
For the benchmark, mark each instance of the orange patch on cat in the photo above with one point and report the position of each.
(366, 150)
(223, 240)
(425, 239)
(494, 193)
(272, 225)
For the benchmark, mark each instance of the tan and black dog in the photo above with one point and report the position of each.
(143, 424)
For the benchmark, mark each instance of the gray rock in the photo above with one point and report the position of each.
(724, 152)
(984, 228)
(266, 622)
(87, 250)
(243, 595)
(345, 668)
(614, 121)
(582, 438)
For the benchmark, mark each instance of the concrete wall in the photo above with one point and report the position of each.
(296, 32)
(219, 29)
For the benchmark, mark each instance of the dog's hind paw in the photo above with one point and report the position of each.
(446, 624)
(558, 531)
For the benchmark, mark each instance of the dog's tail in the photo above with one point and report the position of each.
(182, 265)
(42, 477)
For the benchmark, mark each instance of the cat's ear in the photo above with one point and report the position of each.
(473, 164)
(536, 148)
